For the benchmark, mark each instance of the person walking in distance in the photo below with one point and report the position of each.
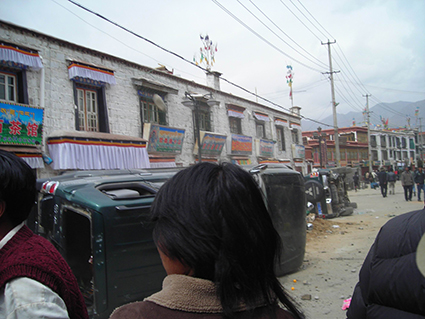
(356, 180)
(407, 182)
(383, 180)
(392, 178)
(35, 281)
(419, 180)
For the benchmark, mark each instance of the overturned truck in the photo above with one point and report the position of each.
(327, 189)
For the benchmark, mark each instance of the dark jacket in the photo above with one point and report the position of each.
(419, 177)
(383, 177)
(406, 178)
(390, 283)
(392, 177)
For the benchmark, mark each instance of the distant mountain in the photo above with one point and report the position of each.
(396, 113)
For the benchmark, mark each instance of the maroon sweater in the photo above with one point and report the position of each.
(32, 256)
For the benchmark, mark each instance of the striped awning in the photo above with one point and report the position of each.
(21, 56)
(90, 71)
(261, 116)
(280, 122)
(235, 113)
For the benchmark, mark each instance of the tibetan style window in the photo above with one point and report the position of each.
(294, 134)
(8, 87)
(204, 117)
(236, 115)
(90, 83)
(280, 138)
(14, 63)
(91, 115)
(88, 118)
(235, 125)
(151, 113)
(260, 128)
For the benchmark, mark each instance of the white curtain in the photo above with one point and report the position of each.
(91, 156)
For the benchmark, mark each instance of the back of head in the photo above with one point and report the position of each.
(213, 219)
(17, 187)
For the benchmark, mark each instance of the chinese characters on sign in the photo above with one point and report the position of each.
(165, 139)
(241, 145)
(20, 124)
(266, 148)
(212, 144)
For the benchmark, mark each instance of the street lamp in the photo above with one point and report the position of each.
(193, 100)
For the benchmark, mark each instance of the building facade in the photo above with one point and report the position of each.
(85, 109)
(388, 147)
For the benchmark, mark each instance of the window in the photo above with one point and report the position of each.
(204, 117)
(235, 125)
(280, 139)
(8, 87)
(87, 110)
(91, 113)
(13, 85)
(294, 134)
(151, 113)
(260, 130)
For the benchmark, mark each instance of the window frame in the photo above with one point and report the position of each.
(235, 125)
(205, 123)
(86, 96)
(258, 125)
(13, 76)
(280, 134)
(148, 108)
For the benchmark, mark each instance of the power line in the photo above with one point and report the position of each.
(323, 64)
(187, 61)
(315, 20)
(259, 36)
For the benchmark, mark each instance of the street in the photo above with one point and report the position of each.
(336, 249)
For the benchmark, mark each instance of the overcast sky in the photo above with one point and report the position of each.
(379, 49)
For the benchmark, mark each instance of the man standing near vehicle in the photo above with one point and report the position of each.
(35, 281)
(407, 182)
(383, 180)
(392, 178)
(419, 180)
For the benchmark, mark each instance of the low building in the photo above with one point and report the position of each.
(85, 109)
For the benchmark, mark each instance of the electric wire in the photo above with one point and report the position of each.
(267, 17)
(259, 36)
(190, 62)
(118, 40)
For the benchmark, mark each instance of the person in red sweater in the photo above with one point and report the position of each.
(35, 281)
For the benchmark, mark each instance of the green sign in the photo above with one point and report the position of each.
(20, 124)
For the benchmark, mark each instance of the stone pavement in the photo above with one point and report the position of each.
(336, 250)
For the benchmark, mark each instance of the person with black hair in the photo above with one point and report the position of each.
(35, 281)
(218, 246)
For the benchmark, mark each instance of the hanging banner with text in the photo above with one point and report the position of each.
(241, 145)
(20, 124)
(164, 139)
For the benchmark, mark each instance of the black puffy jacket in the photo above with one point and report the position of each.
(390, 284)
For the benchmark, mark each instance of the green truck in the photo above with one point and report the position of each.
(99, 221)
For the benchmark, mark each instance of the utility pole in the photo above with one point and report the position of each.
(420, 138)
(369, 149)
(336, 137)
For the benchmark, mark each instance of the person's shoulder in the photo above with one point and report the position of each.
(136, 310)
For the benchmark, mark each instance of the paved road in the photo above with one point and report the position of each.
(335, 253)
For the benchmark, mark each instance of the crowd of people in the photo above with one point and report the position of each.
(218, 247)
(411, 179)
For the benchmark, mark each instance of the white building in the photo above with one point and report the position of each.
(392, 147)
(91, 110)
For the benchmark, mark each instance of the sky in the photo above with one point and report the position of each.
(379, 48)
